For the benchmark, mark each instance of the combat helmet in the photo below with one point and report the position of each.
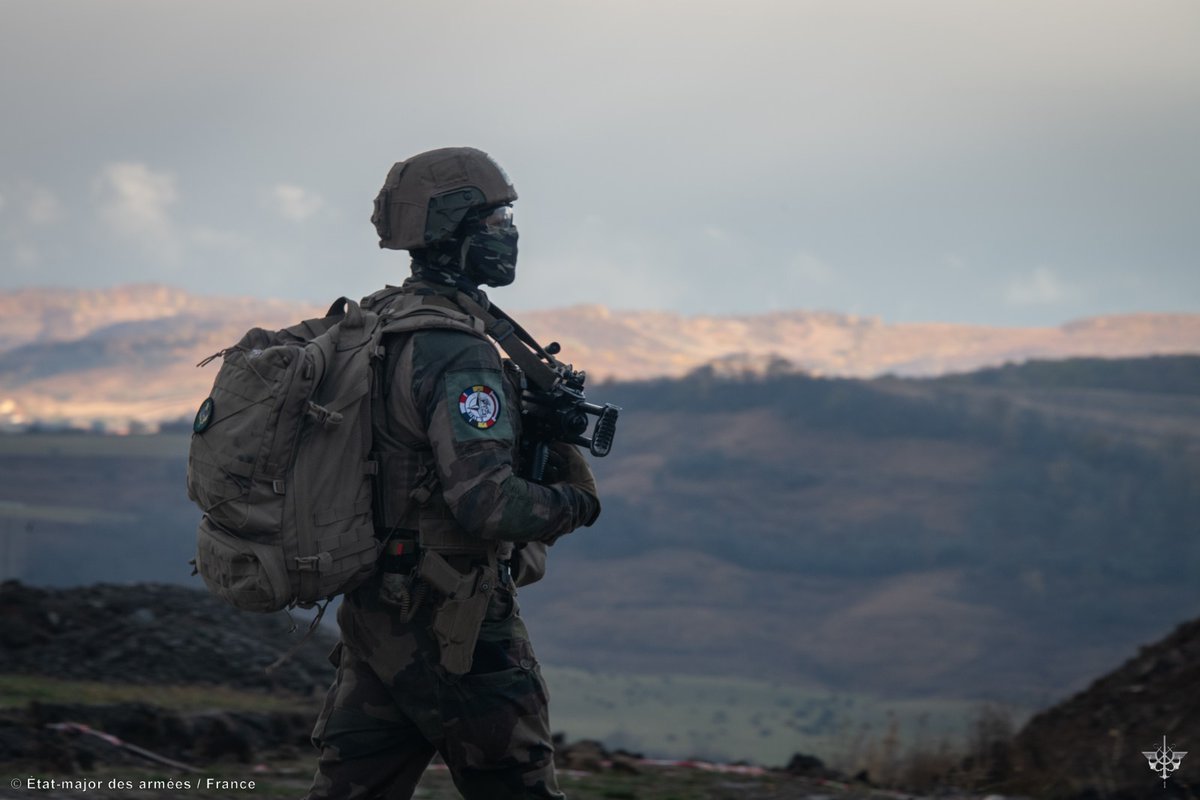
(425, 197)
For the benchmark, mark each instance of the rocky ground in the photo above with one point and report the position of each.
(154, 634)
(132, 750)
(179, 739)
(190, 703)
(1092, 743)
(665, 783)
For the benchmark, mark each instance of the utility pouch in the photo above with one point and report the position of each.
(528, 563)
(457, 620)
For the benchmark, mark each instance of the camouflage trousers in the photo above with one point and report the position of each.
(391, 707)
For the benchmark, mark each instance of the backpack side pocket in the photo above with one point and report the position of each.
(248, 575)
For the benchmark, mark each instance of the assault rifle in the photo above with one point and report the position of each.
(555, 408)
(561, 415)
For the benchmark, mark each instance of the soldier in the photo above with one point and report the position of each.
(434, 656)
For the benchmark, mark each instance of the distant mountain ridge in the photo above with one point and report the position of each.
(125, 354)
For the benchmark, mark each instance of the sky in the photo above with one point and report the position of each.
(1001, 162)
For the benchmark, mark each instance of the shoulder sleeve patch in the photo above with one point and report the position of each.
(476, 405)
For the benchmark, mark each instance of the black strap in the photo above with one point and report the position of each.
(520, 347)
(312, 628)
(337, 308)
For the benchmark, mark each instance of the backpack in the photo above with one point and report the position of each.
(280, 463)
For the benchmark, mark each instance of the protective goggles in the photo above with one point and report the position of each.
(499, 217)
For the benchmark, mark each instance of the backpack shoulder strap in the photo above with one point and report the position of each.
(405, 312)
(412, 312)
(310, 329)
(379, 300)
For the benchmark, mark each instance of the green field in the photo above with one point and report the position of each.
(17, 691)
(733, 719)
(669, 716)
(164, 445)
(10, 510)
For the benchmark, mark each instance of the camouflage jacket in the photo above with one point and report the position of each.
(448, 430)
(446, 434)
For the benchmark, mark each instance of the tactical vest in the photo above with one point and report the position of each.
(409, 501)
(459, 565)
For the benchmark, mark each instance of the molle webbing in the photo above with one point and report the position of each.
(407, 491)
(282, 467)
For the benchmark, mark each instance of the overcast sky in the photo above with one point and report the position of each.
(997, 162)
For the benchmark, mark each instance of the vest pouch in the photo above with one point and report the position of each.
(247, 575)
(457, 620)
(528, 563)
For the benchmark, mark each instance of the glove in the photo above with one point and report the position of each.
(572, 469)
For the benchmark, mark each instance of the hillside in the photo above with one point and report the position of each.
(1003, 534)
(1092, 744)
(125, 355)
(111, 680)
(907, 535)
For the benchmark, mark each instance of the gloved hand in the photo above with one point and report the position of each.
(572, 468)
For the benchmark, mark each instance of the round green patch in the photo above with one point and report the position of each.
(204, 416)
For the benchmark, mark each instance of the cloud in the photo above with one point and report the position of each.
(1038, 288)
(296, 203)
(954, 262)
(26, 256)
(217, 238)
(135, 204)
(810, 269)
(36, 204)
(43, 206)
(717, 234)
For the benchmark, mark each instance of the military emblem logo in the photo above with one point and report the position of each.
(203, 416)
(479, 406)
(1164, 760)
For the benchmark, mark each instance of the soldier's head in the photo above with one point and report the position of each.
(451, 209)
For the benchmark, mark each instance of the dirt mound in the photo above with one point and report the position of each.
(154, 634)
(72, 737)
(1092, 744)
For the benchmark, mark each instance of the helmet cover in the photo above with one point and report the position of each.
(426, 197)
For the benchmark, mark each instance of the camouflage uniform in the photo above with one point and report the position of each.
(394, 704)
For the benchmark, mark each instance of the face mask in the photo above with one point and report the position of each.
(489, 256)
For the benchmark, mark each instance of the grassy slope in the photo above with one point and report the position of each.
(730, 719)
(661, 716)
(19, 690)
(1012, 534)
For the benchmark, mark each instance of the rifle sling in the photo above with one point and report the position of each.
(502, 328)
